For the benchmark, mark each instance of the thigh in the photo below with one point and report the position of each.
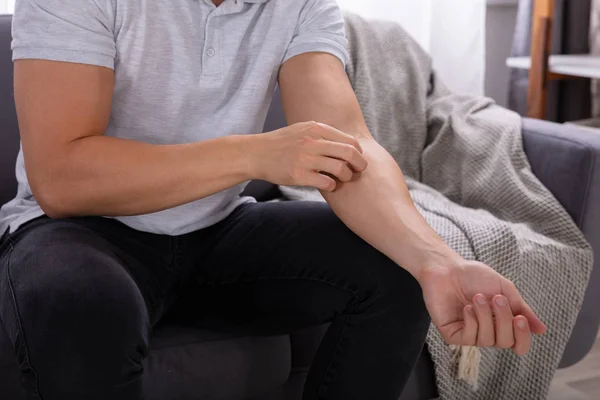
(286, 240)
(283, 266)
(77, 257)
(78, 308)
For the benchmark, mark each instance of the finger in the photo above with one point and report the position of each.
(522, 335)
(520, 307)
(341, 151)
(485, 334)
(471, 326)
(334, 167)
(320, 181)
(304, 125)
(535, 323)
(335, 135)
(505, 337)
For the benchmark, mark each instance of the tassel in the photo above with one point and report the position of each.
(469, 360)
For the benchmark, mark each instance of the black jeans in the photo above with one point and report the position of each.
(79, 297)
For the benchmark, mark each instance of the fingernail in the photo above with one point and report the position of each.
(500, 301)
(521, 324)
(481, 300)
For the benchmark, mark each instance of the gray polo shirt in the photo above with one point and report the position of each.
(185, 71)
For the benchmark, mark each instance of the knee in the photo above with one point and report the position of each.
(406, 294)
(77, 319)
(377, 279)
(399, 291)
(72, 288)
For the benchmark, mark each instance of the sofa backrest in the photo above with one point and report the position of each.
(9, 132)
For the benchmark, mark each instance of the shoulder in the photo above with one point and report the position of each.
(64, 9)
(306, 11)
(64, 30)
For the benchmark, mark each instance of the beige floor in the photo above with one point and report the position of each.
(579, 382)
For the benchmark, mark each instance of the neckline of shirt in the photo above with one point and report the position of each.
(230, 6)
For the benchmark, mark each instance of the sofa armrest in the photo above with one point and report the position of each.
(566, 159)
(563, 157)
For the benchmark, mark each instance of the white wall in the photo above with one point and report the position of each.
(7, 6)
(452, 31)
(414, 15)
(458, 33)
(501, 20)
(433, 24)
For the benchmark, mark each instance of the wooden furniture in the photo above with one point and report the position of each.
(544, 67)
(567, 66)
(541, 46)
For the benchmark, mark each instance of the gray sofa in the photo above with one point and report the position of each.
(187, 363)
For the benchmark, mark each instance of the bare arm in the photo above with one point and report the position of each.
(74, 169)
(467, 300)
(376, 204)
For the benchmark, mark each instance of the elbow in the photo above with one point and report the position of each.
(53, 204)
(54, 201)
(55, 212)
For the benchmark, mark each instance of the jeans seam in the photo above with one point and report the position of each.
(336, 350)
(18, 317)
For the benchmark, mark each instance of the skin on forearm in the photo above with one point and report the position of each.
(376, 205)
(101, 175)
(75, 170)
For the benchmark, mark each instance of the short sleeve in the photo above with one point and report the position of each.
(78, 31)
(320, 28)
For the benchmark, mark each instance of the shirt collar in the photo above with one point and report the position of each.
(232, 6)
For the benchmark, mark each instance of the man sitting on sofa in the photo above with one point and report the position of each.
(139, 123)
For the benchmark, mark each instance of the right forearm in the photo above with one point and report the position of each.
(101, 175)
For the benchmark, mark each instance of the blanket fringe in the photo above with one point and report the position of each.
(469, 359)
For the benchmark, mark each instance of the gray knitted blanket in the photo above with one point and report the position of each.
(469, 176)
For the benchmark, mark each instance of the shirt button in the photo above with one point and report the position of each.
(211, 52)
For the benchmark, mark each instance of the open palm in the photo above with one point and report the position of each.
(473, 305)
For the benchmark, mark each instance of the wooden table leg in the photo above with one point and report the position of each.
(541, 47)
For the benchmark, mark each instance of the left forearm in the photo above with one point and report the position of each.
(377, 206)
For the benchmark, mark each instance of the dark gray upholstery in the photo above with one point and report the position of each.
(9, 143)
(567, 160)
(214, 366)
(188, 363)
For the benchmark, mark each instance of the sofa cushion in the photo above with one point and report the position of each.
(191, 363)
(262, 191)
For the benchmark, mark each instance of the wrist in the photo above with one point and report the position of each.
(438, 261)
(248, 154)
(430, 260)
